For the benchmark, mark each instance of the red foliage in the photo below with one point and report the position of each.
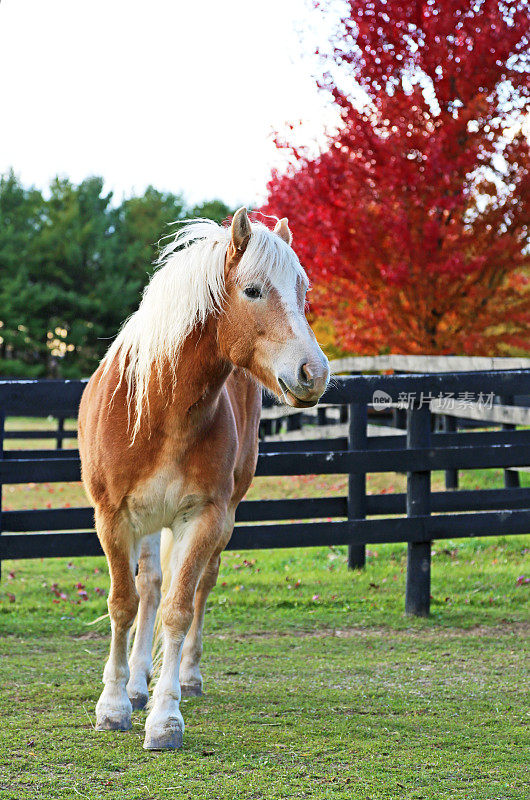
(413, 222)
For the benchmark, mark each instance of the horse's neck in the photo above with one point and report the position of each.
(196, 380)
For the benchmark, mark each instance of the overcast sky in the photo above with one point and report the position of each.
(181, 95)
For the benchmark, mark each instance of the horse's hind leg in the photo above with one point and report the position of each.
(190, 674)
(148, 582)
(113, 710)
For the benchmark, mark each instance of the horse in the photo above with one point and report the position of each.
(168, 438)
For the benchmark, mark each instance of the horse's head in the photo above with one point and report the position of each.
(263, 327)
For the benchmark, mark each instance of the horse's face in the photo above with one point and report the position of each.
(263, 327)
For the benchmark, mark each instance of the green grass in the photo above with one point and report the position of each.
(317, 684)
(355, 713)
(323, 689)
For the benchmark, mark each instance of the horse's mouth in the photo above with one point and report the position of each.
(292, 399)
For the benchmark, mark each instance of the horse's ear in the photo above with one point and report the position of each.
(282, 229)
(241, 230)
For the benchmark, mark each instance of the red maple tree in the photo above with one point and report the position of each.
(413, 220)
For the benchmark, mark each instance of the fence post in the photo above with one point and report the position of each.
(399, 418)
(294, 422)
(418, 591)
(357, 482)
(512, 479)
(2, 424)
(60, 433)
(450, 425)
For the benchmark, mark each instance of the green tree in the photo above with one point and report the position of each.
(56, 302)
(212, 209)
(21, 220)
(139, 224)
(72, 268)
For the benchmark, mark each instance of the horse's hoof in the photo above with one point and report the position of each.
(164, 740)
(138, 701)
(191, 690)
(106, 722)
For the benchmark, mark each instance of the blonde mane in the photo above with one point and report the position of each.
(185, 289)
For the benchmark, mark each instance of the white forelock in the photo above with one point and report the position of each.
(188, 286)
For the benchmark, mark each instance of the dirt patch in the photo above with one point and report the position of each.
(91, 635)
(521, 629)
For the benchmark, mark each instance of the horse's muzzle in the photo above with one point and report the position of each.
(309, 385)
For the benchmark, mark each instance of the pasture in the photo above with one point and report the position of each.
(317, 684)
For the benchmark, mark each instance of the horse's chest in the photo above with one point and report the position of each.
(158, 502)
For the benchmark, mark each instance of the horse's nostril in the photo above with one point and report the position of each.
(305, 376)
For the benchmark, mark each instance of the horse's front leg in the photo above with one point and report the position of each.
(190, 673)
(197, 539)
(113, 710)
(148, 583)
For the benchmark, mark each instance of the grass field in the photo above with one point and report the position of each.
(317, 684)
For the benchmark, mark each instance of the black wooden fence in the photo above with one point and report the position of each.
(60, 434)
(356, 520)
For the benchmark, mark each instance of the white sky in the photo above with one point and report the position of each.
(182, 94)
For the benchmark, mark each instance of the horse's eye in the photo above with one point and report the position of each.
(252, 292)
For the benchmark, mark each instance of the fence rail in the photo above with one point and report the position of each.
(401, 363)
(355, 520)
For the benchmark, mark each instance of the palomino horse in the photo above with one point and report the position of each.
(168, 435)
